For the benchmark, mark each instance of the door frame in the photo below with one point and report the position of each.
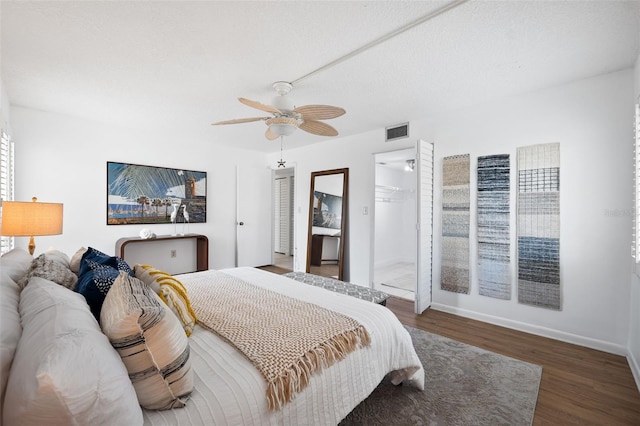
(372, 212)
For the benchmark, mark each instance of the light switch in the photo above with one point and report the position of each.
(365, 210)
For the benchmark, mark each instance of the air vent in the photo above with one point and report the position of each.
(397, 132)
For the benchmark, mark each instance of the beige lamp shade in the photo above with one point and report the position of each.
(28, 219)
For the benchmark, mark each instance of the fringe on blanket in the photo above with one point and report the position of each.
(283, 388)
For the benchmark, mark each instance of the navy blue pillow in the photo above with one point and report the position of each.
(98, 271)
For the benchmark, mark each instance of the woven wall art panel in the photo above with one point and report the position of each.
(455, 224)
(539, 225)
(494, 274)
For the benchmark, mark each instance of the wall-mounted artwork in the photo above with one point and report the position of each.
(455, 223)
(494, 262)
(139, 194)
(327, 210)
(539, 225)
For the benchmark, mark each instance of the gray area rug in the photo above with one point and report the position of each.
(464, 385)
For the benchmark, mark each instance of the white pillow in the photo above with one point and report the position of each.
(74, 262)
(151, 342)
(10, 328)
(65, 371)
(16, 263)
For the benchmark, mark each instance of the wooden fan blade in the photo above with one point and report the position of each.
(240, 120)
(318, 128)
(258, 105)
(319, 112)
(270, 135)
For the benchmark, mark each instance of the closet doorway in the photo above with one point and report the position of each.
(283, 218)
(403, 223)
(394, 270)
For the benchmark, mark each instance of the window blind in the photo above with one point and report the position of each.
(6, 181)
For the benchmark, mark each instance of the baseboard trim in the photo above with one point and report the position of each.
(635, 368)
(540, 331)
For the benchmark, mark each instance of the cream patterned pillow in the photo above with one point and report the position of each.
(150, 341)
(76, 259)
(171, 291)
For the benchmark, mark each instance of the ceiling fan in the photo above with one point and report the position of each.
(286, 118)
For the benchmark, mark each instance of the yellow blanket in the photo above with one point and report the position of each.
(286, 339)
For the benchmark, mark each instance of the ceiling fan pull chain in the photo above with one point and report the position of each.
(281, 162)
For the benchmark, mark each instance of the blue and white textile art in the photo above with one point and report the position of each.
(455, 224)
(494, 275)
(539, 225)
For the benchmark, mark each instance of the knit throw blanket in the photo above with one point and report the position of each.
(286, 339)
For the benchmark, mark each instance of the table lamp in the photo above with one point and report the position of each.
(29, 219)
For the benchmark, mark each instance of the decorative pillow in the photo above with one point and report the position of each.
(16, 263)
(57, 256)
(64, 370)
(52, 268)
(171, 291)
(151, 342)
(98, 271)
(104, 259)
(74, 263)
(10, 328)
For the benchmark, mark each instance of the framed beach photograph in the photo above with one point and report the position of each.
(138, 194)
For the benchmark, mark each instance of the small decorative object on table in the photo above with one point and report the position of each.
(146, 234)
(174, 215)
(185, 224)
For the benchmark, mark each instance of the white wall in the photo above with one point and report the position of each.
(5, 117)
(634, 296)
(590, 119)
(63, 159)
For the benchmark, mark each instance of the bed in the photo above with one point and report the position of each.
(227, 388)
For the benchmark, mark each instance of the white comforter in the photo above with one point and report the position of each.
(229, 390)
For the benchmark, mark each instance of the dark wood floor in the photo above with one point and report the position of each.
(579, 386)
(275, 269)
(326, 270)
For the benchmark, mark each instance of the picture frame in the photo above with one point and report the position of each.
(139, 194)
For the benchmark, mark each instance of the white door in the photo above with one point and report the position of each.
(424, 203)
(283, 215)
(253, 216)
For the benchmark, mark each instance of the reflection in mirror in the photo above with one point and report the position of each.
(327, 223)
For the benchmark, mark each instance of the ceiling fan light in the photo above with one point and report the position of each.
(282, 129)
(282, 126)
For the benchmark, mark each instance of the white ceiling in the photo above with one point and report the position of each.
(178, 66)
